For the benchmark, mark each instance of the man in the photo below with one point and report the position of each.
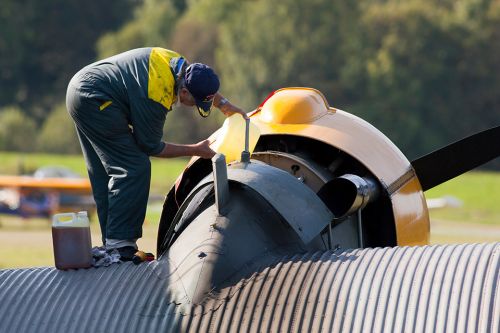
(119, 106)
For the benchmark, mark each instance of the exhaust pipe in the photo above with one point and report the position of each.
(348, 193)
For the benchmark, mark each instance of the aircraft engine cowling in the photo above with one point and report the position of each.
(317, 144)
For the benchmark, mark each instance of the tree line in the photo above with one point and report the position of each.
(424, 72)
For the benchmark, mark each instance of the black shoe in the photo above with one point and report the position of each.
(126, 252)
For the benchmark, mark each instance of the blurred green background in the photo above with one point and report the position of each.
(425, 72)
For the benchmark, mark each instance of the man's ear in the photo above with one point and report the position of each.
(182, 94)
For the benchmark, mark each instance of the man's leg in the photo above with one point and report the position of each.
(128, 190)
(81, 109)
(121, 174)
(99, 180)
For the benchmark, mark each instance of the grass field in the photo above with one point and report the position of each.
(28, 243)
(164, 172)
(479, 193)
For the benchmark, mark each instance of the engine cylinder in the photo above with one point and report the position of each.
(349, 193)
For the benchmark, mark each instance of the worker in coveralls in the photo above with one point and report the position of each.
(119, 106)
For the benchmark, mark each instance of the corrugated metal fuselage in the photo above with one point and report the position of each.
(452, 288)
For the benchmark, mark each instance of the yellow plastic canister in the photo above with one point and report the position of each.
(231, 138)
(71, 240)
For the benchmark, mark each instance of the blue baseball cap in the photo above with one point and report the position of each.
(203, 84)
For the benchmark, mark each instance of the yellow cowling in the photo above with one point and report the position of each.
(294, 106)
(304, 112)
(231, 138)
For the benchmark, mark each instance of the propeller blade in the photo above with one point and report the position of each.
(457, 158)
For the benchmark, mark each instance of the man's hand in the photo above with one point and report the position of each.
(203, 149)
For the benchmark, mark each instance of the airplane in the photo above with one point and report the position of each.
(323, 227)
(48, 191)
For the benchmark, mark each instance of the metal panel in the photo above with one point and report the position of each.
(441, 288)
(300, 207)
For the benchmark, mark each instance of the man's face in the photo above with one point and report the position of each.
(186, 98)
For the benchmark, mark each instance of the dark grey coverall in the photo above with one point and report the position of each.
(119, 127)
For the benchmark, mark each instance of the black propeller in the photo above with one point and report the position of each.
(459, 157)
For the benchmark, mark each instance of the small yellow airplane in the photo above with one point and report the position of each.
(33, 196)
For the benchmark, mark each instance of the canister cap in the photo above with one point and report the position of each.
(70, 220)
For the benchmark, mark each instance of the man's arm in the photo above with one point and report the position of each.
(147, 118)
(201, 149)
(227, 107)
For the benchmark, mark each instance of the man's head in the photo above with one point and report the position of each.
(200, 85)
